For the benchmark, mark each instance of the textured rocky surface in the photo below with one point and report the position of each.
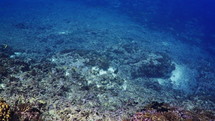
(87, 85)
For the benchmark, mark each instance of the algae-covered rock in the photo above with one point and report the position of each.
(155, 66)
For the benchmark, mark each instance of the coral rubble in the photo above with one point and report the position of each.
(88, 85)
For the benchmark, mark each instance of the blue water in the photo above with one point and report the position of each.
(160, 15)
(170, 14)
(164, 49)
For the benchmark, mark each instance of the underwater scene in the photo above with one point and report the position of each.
(107, 60)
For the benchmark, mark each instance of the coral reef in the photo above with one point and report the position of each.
(94, 58)
(5, 50)
(58, 65)
(19, 112)
(142, 64)
(205, 80)
(87, 85)
(164, 112)
(25, 112)
(155, 66)
(5, 113)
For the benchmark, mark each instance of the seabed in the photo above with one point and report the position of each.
(96, 65)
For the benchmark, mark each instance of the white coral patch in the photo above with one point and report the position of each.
(177, 75)
(102, 72)
(67, 73)
(183, 78)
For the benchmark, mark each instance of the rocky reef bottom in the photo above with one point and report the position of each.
(83, 85)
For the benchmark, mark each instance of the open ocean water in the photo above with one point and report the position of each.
(107, 60)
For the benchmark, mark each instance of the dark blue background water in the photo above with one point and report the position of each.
(162, 14)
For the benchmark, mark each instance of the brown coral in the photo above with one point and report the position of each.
(164, 112)
(26, 112)
(4, 111)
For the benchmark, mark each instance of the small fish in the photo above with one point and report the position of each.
(4, 46)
